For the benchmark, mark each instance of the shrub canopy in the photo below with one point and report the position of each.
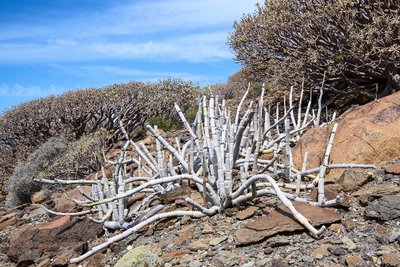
(79, 113)
(356, 42)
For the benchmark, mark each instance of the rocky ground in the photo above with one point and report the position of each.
(365, 231)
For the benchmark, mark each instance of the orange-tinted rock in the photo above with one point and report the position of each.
(246, 213)
(65, 204)
(61, 221)
(393, 169)
(281, 220)
(390, 259)
(199, 245)
(378, 190)
(38, 197)
(9, 222)
(59, 234)
(354, 260)
(175, 254)
(185, 235)
(366, 134)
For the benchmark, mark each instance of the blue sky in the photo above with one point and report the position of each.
(50, 46)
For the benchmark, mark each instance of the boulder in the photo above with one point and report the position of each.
(140, 257)
(352, 180)
(52, 237)
(366, 134)
(64, 202)
(281, 220)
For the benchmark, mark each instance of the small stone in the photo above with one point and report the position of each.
(349, 243)
(246, 213)
(354, 260)
(268, 251)
(38, 197)
(185, 235)
(390, 259)
(321, 251)
(217, 240)
(337, 251)
(207, 229)
(195, 264)
(175, 254)
(336, 228)
(199, 245)
(264, 262)
(350, 224)
(307, 259)
(7, 223)
(64, 258)
(226, 258)
(277, 241)
(278, 263)
(44, 263)
(394, 236)
(249, 264)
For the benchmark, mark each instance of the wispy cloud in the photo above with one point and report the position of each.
(173, 30)
(123, 73)
(18, 90)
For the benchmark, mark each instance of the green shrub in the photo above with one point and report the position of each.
(21, 185)
(163, 123)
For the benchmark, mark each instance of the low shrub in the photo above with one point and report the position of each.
(81, 157)
(21, 185)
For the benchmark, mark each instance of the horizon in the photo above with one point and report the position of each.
(50, 47)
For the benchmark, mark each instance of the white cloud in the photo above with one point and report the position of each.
(178, 30)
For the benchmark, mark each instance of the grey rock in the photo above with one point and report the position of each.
(195, 264)
(268, 250)
(278, 263)
(277, 241)
(385, 208)
(394, 236)
(307, 259)
(337, 251)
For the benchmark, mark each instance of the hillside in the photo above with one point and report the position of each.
(362, 228)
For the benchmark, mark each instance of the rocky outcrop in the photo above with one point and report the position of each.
(366, 134)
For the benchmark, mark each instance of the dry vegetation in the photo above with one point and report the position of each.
(76, 114)
(355, 42)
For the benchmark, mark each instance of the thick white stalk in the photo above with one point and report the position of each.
(321, 181)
